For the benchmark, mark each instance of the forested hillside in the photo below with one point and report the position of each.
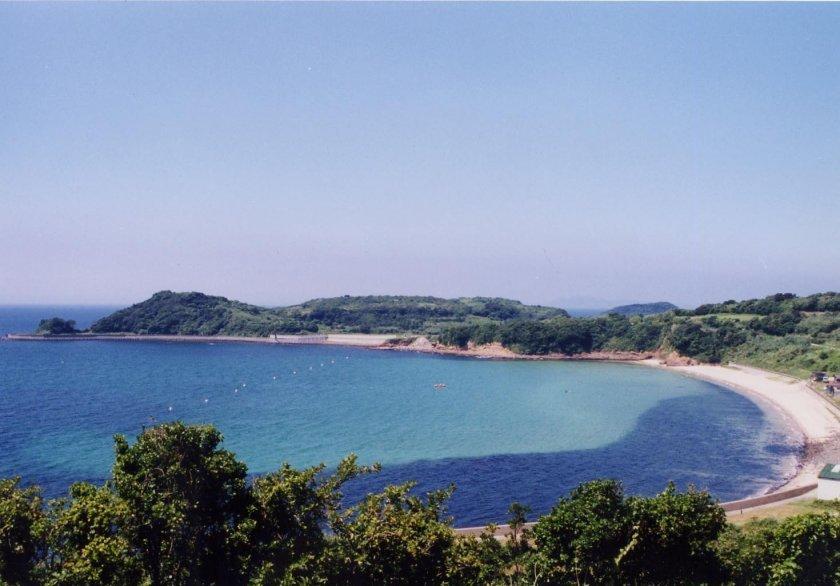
(780, 332)
(198, 314)
(642, 308)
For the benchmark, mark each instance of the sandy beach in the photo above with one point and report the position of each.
(814, 416)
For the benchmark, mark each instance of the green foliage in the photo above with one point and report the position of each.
(178, 512)
(289, 510)
(743, 553)
(517, 517)
(392, 538)
(21, 517)
(198, 314)
(561, 335)
(86, 539)
(478, 333)
(598, 536)
(476, 561)
(782, 331)
(580, 539)
(777, 324)
(796, 354)
(643, 308)
(778, 303)
(799, 550)
(56, 326)
(806, 550)
(671, 538)
(401, 314)
(691, 339)
(187, 500)
(458, 336)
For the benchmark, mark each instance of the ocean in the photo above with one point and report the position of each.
(501, 431)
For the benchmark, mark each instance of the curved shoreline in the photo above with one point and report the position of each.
(801, 408)
(811, 415)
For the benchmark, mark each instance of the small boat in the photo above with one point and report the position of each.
(440, 386)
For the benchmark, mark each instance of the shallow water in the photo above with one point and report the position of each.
(501, 431)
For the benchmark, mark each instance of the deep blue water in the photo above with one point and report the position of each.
(501, 431)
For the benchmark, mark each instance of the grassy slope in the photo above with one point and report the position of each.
(783, 511)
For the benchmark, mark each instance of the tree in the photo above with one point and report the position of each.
(392, 538)
(21, 518)
(517, 544)
(671, 538)
(86, 539)
(691, 339)
(517, 517)
(476, 561)
(187, 502)
(799, 550)
(290, 508)
(580, 539)
(806, 550)
(744, 553)
(458, 336)
(56, 326)
(565, 335)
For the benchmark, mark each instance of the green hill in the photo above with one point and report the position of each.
(643, 308)
(780, 332)
(199, 314)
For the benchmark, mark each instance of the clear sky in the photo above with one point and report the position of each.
(580, 155)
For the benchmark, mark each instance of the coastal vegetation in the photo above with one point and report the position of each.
(643, 308)
(198, 314)
(179, 509)
(781, 332)
(55, 326)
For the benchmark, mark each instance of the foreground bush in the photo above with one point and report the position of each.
(179, 511)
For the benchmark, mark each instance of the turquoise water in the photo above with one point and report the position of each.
(501, 431)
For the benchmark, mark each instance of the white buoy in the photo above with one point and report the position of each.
(170, 407)
(206, 400)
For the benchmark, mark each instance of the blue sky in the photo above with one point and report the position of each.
(582, 155)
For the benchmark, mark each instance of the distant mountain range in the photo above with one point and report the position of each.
(643, 308)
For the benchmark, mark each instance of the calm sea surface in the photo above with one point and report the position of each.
(501, 431)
